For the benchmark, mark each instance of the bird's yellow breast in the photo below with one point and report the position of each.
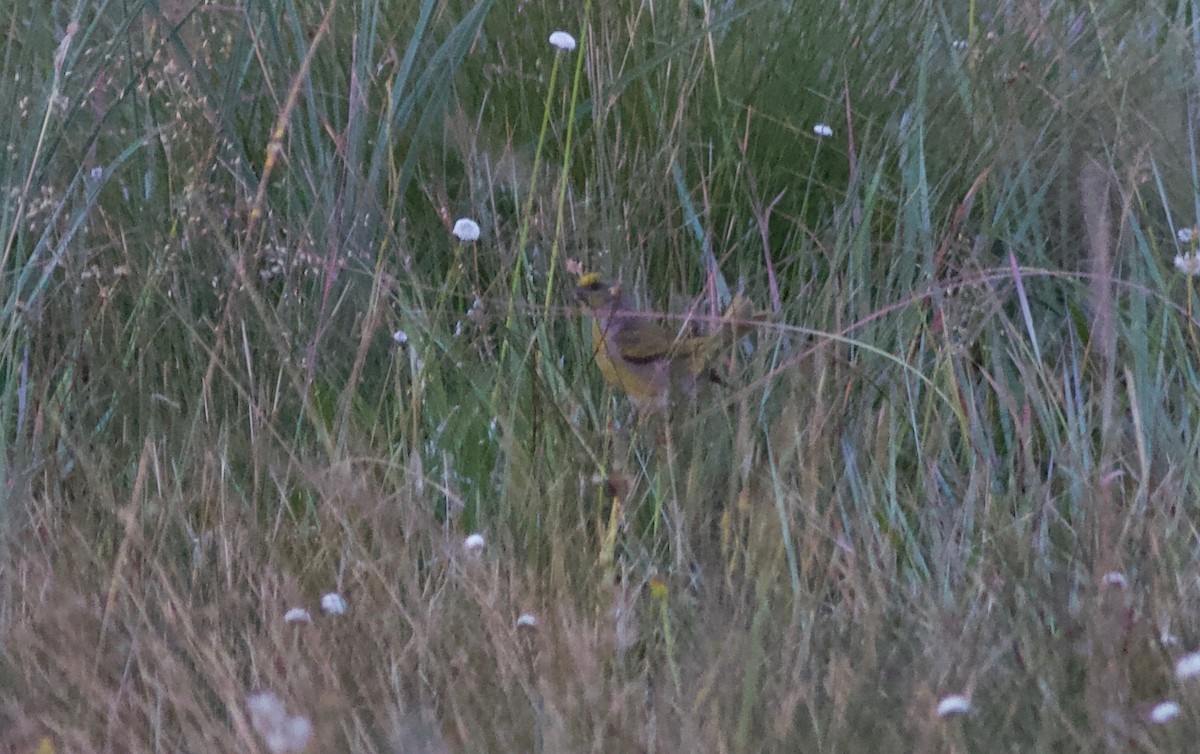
(636, 380)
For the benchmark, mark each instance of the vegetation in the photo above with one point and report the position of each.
(946, 501)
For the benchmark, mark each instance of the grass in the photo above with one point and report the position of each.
(246, 364)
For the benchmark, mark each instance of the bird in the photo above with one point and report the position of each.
(647, 361)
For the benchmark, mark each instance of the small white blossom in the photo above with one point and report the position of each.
(1187, 667)
(266, 710)
(476, 311)
(280, 732)
(527, 620)
(1164, 712)
(400, 337)
(297, 615)
(474, 543)
(294, 735)
(955, 704)
(333, 604)
(823, 130)
(1115, 578)
(960, 44)
(466, 229)
(1185, 235)
(562, 41)
(1189, 264)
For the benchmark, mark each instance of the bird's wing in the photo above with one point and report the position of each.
(647, 342)
(643, 341)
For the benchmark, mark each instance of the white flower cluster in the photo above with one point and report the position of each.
(280, 731)
(1188, 264)
(466, 229)
(563, 41)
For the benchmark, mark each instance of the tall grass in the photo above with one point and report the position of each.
(246, 364)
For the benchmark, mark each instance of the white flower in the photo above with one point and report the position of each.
(1188, 666)
(293, 735)
(823, 130)
(333, 604)
(562, 41)
(1115, 578)
(1164, 712)
(476, 311)
(466, 229)
(297, 615)
(527, 620)
(400, 337)
(960, 44)
(280, 732)
(1185, 235)
(955, 704)
(1189, 264)
(266, 710)
(474, 543)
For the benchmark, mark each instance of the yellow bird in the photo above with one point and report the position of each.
(637, 354)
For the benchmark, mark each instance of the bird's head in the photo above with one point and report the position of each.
(596, 293)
